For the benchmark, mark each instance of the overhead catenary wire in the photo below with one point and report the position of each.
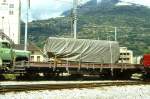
(102, 26)
(71, 1)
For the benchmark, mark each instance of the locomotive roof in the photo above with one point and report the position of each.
(4, 40)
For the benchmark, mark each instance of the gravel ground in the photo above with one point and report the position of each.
(113, 92)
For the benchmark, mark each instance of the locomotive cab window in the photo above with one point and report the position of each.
(5, 45)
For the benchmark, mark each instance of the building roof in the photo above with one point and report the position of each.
(4, 36)
(31, 47)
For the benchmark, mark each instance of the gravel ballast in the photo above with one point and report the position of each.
(111, 92)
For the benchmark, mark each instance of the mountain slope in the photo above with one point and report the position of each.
(97, 21)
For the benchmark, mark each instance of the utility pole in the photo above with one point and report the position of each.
(75, 3)
(26, 26)
(2, 27)
(3, 24)
(115, 33)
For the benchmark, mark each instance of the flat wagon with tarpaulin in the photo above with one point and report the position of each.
(82, 50)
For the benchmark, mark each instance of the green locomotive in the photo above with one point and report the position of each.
(8, 55)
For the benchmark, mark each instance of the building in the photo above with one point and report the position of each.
(36, 53)
(126, 56)
(10, 19)
(137, 59)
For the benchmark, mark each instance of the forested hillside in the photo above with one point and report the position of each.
(97, 21)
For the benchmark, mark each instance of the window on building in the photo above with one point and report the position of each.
(4, 0)
(11, 12)
(38, 58)
(11, 6)
(126, 59)
(128, 53)
(32, 52)
(32, 58)
(121, 53)
(125, 53)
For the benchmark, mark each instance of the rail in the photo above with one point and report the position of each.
(67, 85)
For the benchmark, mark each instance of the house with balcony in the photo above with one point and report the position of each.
(126, 56)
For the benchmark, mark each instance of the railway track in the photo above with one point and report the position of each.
(66, 85)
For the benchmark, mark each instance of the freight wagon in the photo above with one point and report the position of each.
(146, 60)
(84, 57)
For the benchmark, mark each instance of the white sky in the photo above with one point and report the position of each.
(43, 9)
(143, 2)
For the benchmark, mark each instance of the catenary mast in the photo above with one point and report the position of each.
(26, 25)
(75, 3)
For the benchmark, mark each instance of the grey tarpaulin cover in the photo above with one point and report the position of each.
(83, 50)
